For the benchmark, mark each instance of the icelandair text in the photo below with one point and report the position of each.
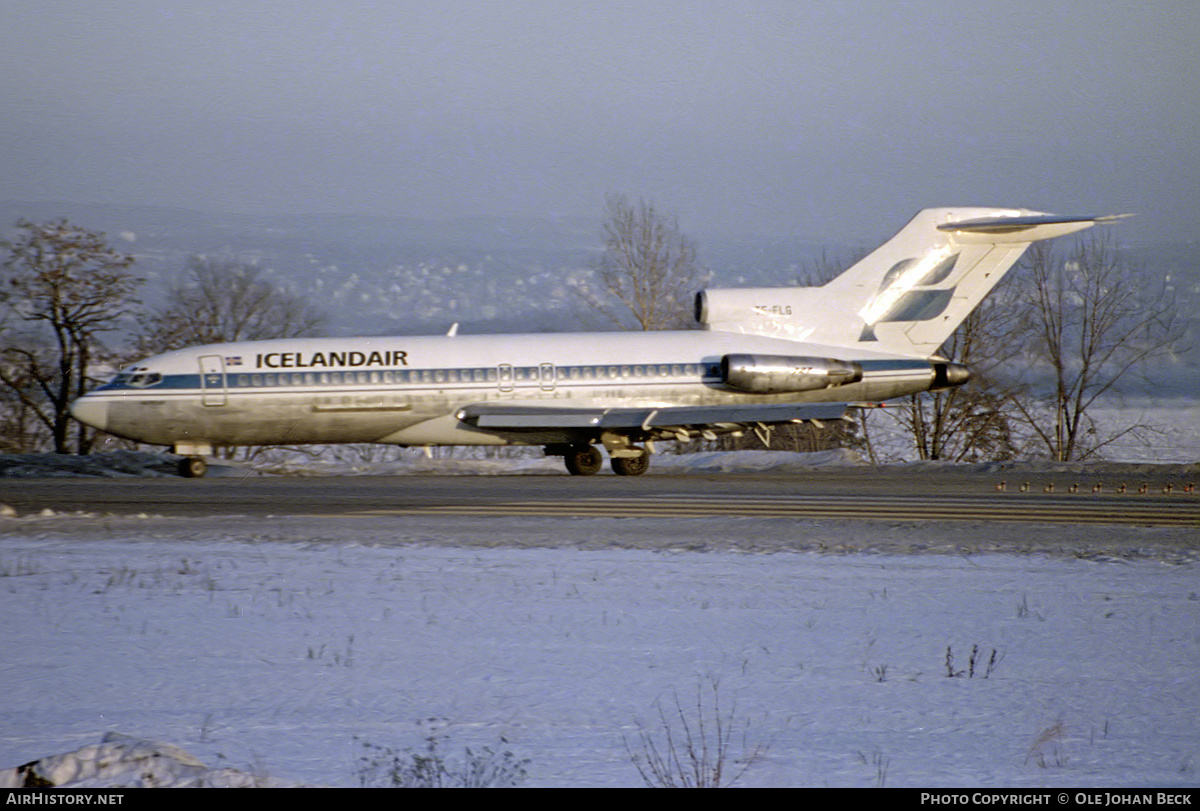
(324, 360)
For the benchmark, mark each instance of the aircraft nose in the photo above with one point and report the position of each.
(91, 412)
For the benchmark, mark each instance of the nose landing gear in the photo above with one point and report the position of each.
(192, 467)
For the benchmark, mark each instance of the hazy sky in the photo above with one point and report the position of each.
(835, 118)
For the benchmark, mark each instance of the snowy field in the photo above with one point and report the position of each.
(278, 648)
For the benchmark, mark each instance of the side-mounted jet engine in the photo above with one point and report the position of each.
(780, 374)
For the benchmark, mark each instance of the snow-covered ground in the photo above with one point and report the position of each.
(270, 650)
(279, 647)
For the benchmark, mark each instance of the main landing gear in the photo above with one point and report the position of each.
(631, 465)
(586, 460)
(583, 460)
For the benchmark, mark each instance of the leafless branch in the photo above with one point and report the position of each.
(647, 272)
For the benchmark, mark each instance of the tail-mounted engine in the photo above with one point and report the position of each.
(780, 374)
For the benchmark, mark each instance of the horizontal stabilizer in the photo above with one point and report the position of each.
(532, 418)
(997, 230)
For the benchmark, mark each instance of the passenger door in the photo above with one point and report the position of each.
(212, 380)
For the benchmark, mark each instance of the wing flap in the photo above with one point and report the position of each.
(499, 417)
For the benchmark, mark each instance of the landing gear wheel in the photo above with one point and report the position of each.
(584, 460)
(192, 467)
(632, 465)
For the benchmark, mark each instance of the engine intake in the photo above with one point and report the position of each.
(780, 374)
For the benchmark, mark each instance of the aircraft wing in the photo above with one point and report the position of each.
(508, 417)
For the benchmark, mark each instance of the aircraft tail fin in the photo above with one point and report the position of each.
(908, 295)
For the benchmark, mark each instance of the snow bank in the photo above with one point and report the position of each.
(415, 466)
(122, 464)
(755, 461)
(123, 761)
(134, 463)
(113, 464)
(1046, 466)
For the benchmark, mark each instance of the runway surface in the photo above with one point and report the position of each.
(847, 494)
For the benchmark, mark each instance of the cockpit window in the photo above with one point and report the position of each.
(140, 380)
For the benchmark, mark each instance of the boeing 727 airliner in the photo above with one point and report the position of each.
(764, 356)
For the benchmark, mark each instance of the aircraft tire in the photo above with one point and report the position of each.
(583, 460)
(192, 467)
(631, 466)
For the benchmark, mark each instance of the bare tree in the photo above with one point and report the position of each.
(648, 271)
(225, 300)
(62, 286)
(21, 426)
(1091, 325)
(972, 422)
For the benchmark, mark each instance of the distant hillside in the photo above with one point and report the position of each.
(390, 275)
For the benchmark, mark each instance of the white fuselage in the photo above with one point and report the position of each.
(407, 390)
